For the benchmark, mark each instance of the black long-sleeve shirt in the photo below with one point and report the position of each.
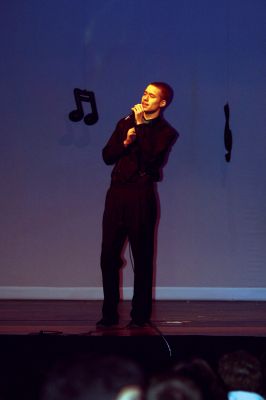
(143, 159)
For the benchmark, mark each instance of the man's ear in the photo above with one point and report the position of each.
(163, 103)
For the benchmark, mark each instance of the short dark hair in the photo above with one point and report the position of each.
(91, 377)
(166, 91)
(241, 370)
(174, 389)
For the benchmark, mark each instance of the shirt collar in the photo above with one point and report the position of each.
(152, 121)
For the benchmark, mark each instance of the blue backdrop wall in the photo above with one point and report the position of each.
(211, 238)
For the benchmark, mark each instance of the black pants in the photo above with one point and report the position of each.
(130, 213)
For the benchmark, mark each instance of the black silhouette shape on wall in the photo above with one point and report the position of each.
(84, 96)
(228, 138)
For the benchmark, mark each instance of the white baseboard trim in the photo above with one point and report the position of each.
(161, 293)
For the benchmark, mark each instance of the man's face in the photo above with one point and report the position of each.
(152, 101)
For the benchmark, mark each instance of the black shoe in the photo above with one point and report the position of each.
(138, 324)
(107, 322)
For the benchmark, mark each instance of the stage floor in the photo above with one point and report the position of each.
(36, 335)
(212, 318)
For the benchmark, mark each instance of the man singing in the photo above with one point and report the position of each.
(138, 149)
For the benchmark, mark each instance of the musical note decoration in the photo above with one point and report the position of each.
(78, 114)
(228, 138)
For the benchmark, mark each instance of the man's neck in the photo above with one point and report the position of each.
(149, 116)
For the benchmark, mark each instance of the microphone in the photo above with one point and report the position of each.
(131, 115)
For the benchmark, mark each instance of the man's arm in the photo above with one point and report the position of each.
(154, 154)
(119, 142)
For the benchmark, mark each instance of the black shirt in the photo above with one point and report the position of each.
(145, 157)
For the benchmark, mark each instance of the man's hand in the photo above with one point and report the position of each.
(131, 136)
(139, 113)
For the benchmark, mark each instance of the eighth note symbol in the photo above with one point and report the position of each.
(77, 115)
